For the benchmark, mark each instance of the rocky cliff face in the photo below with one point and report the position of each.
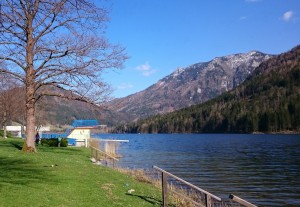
(188, 86)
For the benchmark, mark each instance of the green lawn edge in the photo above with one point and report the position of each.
(65, 177)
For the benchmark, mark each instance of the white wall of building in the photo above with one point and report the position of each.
(80, 133)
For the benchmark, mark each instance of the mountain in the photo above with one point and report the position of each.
(267, 101)
(184, 87)
(51, 110)
(59, 112)
(188, 86)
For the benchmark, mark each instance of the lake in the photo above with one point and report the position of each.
(262, 169)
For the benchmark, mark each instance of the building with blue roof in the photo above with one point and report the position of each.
(80, 132)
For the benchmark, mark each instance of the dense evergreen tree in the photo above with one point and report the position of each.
(268, 101)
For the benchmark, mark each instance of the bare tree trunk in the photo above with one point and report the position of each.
(4, 126)
(29, 144)
(4, 132)
(30, 84)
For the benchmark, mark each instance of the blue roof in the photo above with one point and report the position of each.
(76, 123)
(52, 135)
(85, 123)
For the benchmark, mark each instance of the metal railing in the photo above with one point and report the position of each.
(200, 197)
(102, 156)
(192, 194)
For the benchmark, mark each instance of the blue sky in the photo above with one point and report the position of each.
(162, 35)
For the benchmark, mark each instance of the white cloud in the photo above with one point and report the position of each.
(243, 18)
(146, 69)
(288, 16)
(124, 86)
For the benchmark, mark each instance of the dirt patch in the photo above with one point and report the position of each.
(108, 187)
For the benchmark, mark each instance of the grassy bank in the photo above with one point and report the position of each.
(65, 177)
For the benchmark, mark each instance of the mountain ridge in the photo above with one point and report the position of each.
(268, 101)
(190, 85)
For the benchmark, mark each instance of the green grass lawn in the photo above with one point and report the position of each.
(30, 180)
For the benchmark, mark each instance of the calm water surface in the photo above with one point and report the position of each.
(263, 169)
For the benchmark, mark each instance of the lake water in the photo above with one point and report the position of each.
(262, 169)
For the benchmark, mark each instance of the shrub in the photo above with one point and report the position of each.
(8, 134)
(64, 142)
(53, 142)
(43, 141)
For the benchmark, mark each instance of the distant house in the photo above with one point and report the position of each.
(18, 130)
(80, 132)
(15, 130)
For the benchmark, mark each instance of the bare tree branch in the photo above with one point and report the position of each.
(57, 45)
(10, 97)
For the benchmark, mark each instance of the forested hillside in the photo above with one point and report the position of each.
(188, 86)
(58, 111)
(268, 101)
(184, 87)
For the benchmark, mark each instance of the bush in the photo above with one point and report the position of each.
(64, 142)
(53, 142)
(8, 134)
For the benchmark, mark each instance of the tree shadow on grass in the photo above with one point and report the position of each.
(62, 150)
(16, 145)
(153, 201)
(16, 171)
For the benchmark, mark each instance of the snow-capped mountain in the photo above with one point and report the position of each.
(188, 86)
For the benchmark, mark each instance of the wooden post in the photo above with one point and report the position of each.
(207, 200)
(208, 196)
(164, 184)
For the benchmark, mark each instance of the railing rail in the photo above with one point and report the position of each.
(96, 153)
(241, 201)
(204, 198)
(187, 183)
(165, 174)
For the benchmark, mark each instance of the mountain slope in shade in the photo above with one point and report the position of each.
(268, 101)
(189, 86)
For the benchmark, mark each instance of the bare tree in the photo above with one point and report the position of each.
(56, 48)
(5, 109)
(11, 101)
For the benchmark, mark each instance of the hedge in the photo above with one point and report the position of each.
(53, 142)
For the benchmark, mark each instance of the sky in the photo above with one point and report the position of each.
(163, 35)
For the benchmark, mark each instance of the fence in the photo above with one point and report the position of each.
(103, 157)
(191, 195)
